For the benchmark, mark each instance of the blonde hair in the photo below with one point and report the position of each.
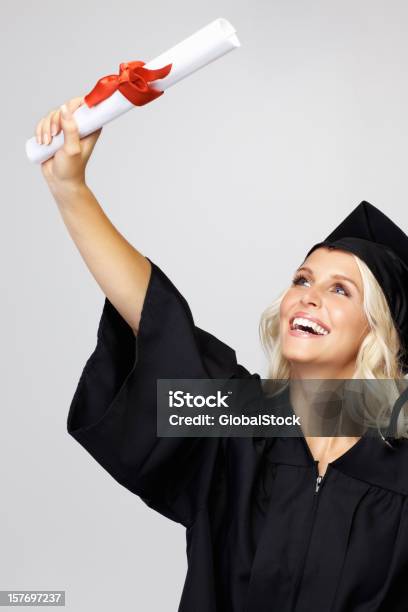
(379, 355)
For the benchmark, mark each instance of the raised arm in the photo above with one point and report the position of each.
(113, 413)
(120, 270)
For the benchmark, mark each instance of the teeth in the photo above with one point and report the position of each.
(307, 323)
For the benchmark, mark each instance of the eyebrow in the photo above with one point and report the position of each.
(338, 276)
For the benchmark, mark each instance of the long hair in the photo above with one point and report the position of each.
(379, 355)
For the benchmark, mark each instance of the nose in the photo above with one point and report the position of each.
(311, 296)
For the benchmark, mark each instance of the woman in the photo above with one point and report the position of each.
(285, 524)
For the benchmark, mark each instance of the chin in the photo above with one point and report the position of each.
(299, 353)
(298, 357)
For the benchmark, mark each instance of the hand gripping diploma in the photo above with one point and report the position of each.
(121, 271)
(67, 167)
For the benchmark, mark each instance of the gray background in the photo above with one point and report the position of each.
(251, 161)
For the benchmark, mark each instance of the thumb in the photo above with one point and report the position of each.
(69, 126)
(88, 143)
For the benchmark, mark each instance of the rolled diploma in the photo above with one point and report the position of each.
(208, 44)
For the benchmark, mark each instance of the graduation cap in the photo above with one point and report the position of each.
(383, 246)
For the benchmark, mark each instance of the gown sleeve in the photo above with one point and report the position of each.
(113, 410)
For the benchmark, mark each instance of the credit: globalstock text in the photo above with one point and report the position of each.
(229, 419)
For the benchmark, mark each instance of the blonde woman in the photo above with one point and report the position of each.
(285, 524)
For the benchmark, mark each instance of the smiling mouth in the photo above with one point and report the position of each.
(301, 327)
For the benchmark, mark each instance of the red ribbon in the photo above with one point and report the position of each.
(132, 82)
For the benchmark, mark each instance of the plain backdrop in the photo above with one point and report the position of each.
(224, 182)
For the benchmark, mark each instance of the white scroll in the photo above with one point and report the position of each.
(208, 44)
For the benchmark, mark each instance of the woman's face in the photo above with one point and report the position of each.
(327, 292)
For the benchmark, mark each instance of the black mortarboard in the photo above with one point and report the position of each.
(383, 246)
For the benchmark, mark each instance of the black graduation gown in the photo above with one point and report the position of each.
(259, 536)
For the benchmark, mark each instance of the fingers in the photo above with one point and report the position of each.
(50, 125)
(55, 124)
(39, 131)
(46, 127)
(75, 103)
(72, 144)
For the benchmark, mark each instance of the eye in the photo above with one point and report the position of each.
(342, 288)
(297, 280)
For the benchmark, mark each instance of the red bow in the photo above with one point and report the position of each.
(132, 81)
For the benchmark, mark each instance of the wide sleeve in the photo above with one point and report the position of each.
(113, 411)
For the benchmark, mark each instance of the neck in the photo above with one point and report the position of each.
(323, 421)
(312, 371)
(317, 404)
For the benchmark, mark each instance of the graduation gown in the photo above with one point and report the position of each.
(262, 535)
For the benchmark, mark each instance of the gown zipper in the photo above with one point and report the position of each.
(319, 479)
(317, 486)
